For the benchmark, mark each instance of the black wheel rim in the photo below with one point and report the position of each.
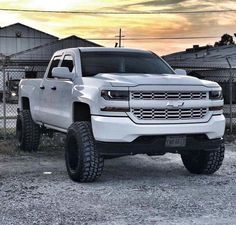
(196, 157)
(72, 154)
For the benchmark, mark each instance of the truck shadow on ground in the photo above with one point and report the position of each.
(138, 168)
(145, 168)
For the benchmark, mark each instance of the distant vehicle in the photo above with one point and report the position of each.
(12, 91)
(115, 101)
(12, 80)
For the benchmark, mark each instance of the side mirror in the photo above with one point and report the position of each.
(62, 72)
(180, 72)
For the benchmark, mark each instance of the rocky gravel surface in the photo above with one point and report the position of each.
(35, 189)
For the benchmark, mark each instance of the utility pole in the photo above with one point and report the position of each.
(120, 36)
(230, 95)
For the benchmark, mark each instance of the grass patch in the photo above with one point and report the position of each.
(9, 147)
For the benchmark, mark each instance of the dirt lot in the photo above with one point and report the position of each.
(35, 189)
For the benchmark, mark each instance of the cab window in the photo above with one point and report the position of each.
(55, 63)
(68, 62)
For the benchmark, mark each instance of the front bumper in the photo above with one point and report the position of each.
(122, 129)
(155, 145)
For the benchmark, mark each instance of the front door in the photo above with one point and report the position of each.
(56, 104)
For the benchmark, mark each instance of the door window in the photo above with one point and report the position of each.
(55, 63)
(68, 62)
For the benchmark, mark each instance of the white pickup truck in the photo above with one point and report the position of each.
(113, 102)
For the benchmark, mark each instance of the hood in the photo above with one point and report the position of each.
(131, 80)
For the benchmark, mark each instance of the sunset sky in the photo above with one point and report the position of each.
(107, 26)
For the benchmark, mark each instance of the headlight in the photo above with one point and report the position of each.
(13, 94)
(215, 95)
(115, 95)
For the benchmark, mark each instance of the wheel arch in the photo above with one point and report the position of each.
(81, 112)
(25, 103)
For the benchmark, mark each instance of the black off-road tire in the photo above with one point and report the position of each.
(27, 132)
(83, 161)
(1, 97)
(204, 162)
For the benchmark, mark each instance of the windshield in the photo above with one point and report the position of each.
(122, 62)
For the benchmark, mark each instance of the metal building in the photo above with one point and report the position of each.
(18, 37)
(24, 46)
(212, 63)
(205, 57)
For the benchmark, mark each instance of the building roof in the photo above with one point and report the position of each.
(20, 25)
(204, 57)
(45, 52)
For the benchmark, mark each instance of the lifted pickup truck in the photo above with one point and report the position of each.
(113, 102)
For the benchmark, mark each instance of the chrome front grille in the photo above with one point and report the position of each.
(153, 95)
(169, 114)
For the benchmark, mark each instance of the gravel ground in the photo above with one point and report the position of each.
(35, 189)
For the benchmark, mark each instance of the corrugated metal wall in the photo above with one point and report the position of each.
(18, 37)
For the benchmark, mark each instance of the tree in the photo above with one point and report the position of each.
(226, 39)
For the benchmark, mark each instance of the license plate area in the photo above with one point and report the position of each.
(175, 141)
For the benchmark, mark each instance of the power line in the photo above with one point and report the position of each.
(153, 38)
(123, 38)
(118, 12)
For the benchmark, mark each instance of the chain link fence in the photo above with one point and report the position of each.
(226, 78)
(11, 75)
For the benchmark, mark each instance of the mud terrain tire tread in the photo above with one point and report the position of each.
(90, 163)
(30, 132)
(206, 162)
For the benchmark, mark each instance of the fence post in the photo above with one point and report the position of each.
(230, 95)
(4, 104)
